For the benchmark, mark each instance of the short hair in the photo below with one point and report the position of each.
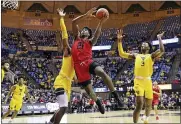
(21, 76)
(149, 44)
(90, 32)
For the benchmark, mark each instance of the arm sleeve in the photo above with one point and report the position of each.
(63, 29)
(121, 52)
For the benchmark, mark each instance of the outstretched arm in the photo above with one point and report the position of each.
(98, 31)
(158, 53)
(75, 27)
(120, 47)
(63, 28)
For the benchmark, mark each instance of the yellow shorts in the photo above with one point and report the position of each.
(15, 105)
(143, 87)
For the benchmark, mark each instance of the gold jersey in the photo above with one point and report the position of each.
(143, 65)
(66, 74)
(2, 74)
(19, 92)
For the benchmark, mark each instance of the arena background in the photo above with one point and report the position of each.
(20, 29)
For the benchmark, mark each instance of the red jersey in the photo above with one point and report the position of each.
(156, 89)
(81, 50)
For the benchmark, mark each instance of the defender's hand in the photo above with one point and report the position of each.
(61, 12)
(160, 35)
(120, 35)
(91, 11)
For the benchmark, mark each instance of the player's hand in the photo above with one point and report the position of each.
(120, 35)
(61, 12)
(91, 11)
(160, 35)
(104, 19)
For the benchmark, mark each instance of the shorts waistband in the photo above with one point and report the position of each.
(142, 78)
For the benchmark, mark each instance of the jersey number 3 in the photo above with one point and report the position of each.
(80, 45)
(142, 62)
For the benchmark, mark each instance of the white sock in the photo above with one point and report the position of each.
(146, 118)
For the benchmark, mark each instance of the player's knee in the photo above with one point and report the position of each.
(100, 72)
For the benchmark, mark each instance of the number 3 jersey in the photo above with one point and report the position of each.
(143, 65)
(19, 92)
(81, 51)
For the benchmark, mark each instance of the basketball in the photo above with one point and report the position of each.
(102, 12)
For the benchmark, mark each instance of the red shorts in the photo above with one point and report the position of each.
(155, 102)
(84, 70)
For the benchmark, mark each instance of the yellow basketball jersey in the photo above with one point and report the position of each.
(143, 65)
(66, 74)
(19, 92)
(2, 75)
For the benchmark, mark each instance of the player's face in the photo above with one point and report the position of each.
(21, 81)
(145, 47)
(85, 33)
(6, 66)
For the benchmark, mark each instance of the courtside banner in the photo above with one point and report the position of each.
(34, 108)
(38, 22)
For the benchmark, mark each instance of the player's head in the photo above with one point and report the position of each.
(21, 80)
(155, 83)
(86, 33)
(5, 66)
(146, 47)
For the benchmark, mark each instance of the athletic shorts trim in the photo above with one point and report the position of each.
(62, 97)
(85, 83)
(92, 67)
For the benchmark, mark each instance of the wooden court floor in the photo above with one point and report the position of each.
(166, 116)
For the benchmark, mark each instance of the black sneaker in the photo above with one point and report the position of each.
(101, 108)
(117, 98)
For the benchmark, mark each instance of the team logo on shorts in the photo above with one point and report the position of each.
(137, 92)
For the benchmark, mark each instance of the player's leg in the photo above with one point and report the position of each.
(88, 88)
(11, 108)
(62, 99)
(156, 110)
(139, 105)
(148, 101)
(6, 114)
(95, 69)
(139, 91)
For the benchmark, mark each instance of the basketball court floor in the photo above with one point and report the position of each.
(166, 116)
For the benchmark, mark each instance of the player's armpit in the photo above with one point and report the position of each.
(157, 54)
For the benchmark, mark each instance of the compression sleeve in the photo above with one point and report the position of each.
(63, 29)
(121, 52)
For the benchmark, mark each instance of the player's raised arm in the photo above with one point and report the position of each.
(75, 27)
(63, 28)
(120, 47)
(98, 30)
(9, 94)
(158, 53)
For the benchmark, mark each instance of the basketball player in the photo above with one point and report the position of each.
(156, 95)
(17, 91)
(4, 69)
(63, 81)
(82, 57)
(142, 73)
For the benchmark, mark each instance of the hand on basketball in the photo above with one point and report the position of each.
(160, 35)
(91, 11)
(120, 34)
(61, 12)
(104, 19)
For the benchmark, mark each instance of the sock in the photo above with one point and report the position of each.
(146, 118)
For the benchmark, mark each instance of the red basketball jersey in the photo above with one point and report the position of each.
(156, 89)
(81, 50)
